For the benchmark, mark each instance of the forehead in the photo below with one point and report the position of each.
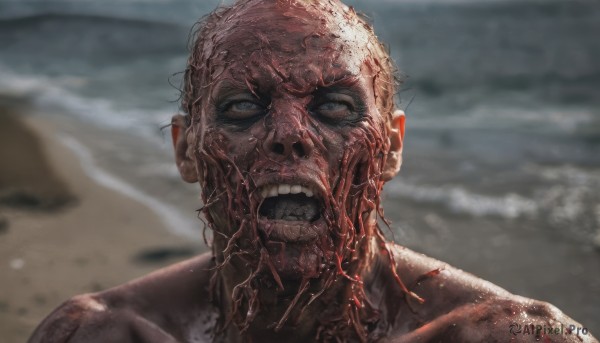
(289, 44)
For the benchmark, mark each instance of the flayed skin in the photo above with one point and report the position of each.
(288, 67)
(298, 93)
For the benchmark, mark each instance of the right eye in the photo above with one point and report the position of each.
(242, 109)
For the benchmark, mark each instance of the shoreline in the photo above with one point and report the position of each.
(95, 241)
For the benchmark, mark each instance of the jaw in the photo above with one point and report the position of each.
(294, 232)
(293, 228)
(297, 249)
(299, 261)
(296, 255)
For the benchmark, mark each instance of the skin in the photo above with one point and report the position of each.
(301, 98)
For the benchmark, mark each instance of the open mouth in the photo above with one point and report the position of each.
(290, 207)
(290, 213)
(289, 202)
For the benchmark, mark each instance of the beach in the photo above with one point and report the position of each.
(500, 174)
(68, 226)
(61, 233)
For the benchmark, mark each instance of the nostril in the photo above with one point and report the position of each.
(299, 149)
(278, 148)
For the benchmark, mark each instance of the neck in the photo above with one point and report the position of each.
(305, 309)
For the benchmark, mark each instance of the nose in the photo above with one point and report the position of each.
(286, 143)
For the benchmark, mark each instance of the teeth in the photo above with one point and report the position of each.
(284, 189)
(275, 190)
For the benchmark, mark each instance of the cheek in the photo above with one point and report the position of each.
(241, 149)
(342, 146)
(230, 146)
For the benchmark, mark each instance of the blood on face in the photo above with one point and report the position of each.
(300, 102)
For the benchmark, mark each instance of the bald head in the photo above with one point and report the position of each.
(291, 141)
(260, 40)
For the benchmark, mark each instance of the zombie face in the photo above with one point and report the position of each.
(291, 138)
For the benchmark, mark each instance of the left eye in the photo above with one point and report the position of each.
(244, 106)
(333, 107)
(335, 110)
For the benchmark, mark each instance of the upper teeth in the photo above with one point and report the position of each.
(275, 190)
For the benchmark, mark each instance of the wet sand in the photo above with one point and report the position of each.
(61, 234)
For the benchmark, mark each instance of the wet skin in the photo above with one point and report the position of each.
(171, 305)
(295, 100)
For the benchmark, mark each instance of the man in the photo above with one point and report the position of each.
(291, 130)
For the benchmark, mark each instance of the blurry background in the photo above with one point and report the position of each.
(502, 155)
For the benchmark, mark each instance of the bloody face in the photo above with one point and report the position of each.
(289, 140)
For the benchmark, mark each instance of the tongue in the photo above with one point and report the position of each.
(290, 207)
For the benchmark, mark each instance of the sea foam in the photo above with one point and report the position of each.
(172, 219)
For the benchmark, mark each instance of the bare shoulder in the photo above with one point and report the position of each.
(460, 307)
(168, 305)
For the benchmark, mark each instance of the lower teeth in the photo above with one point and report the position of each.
(292, 207)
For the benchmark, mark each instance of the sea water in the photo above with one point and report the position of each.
(501, 170)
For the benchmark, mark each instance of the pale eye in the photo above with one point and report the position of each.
(334, 110)
(333, 106)
(337, 107)
(242, 110)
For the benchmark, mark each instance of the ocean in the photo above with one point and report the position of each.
(501, 172)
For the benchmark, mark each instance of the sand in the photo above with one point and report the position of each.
(61, 234)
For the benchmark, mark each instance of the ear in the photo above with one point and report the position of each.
(396, 136)
(184, 160)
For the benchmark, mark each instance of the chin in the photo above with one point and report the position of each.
(298, 261)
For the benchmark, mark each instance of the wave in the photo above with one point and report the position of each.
(566, 200)
(538, 118)
(173, 11)
(42, 18)
(460, 200)
(546, 48)
(523, 46)
(52, 93)
(567, 86)
(85, 37)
